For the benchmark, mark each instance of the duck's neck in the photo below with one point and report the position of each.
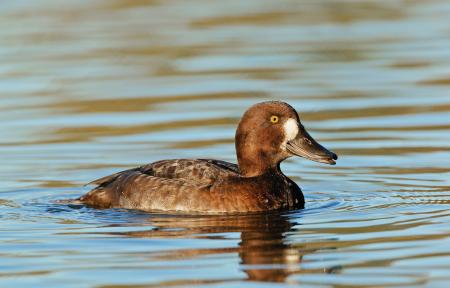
(255, 165)
(250, 168)
(255, 156)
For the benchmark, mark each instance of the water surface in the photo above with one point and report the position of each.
(88, 88)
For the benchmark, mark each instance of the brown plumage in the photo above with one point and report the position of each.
(268, 133)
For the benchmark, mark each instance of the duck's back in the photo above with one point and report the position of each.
(178, 184)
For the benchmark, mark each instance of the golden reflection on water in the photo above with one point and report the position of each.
(90, 88)
(136, 104)
(85, 133)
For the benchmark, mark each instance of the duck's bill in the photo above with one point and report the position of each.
(305, 146)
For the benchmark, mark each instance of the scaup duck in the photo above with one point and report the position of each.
(268, 133)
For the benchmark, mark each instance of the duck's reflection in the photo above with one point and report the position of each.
(264, 252)
(263, 249)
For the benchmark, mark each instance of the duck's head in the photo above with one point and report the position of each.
(270, 132)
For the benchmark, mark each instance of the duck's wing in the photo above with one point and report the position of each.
(133, 189)
(196, 171)
(158, 185)
(110, 178)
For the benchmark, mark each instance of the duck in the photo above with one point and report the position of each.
(267, 134)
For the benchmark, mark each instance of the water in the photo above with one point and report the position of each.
(88, 88)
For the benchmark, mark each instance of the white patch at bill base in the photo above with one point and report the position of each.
(290, 129)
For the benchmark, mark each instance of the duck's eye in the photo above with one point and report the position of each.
(274, 119)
